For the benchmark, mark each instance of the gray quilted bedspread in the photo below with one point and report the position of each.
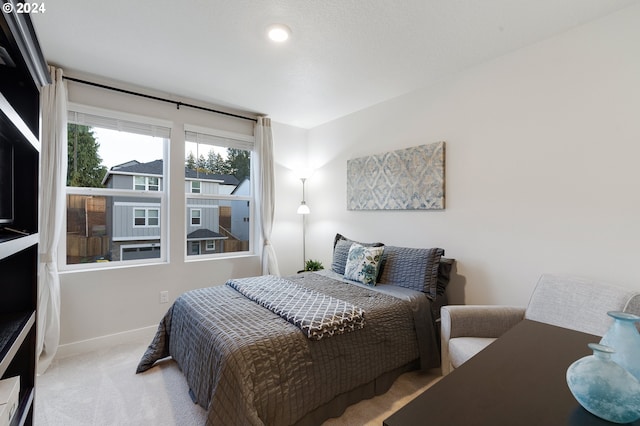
(248, 366)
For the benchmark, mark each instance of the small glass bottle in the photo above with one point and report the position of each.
(603, 387)
(624, 338)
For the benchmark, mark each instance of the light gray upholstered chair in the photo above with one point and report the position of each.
(565, 301)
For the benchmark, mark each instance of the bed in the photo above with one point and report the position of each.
(247, 363)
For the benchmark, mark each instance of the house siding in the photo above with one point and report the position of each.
(123, 227)
(210, 214)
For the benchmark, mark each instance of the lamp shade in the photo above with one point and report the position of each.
(303, 208)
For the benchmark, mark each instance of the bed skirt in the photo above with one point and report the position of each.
(337, 406)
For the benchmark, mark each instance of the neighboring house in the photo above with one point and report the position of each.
(135, 222)
(206, 218)
(240, 212)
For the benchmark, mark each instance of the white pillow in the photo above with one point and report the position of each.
(363, 263)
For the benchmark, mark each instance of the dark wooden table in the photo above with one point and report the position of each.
(520, 379)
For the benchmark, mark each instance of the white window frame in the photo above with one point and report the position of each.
(193, 187)
(153, 187)
(199, 217)
(147, 217)
(210, 245)
(221, 138)
(146, 186)
(136, 217)
(154, 127)
(136, 184)
(156, 218)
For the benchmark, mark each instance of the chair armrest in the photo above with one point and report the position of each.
(474, 321)
(479, 320)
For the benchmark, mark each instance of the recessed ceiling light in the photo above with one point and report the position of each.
(278, 32)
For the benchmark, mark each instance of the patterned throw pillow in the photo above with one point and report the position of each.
(341, 246)
(363, 263)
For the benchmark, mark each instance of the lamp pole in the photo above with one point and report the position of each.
(304, 242)
(303, 210)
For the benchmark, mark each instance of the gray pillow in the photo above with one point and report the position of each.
(412, 268)
(444, 274)
(341, 246)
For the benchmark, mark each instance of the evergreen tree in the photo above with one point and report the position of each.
(190, 162)
(85, 167)
(201, 164)
(216, 164)
(239, 163)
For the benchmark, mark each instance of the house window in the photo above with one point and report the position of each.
(153, 217)
(146, 183)
(153, 184)
(139, 217)
(196, 217)
(219, 165)
(115, 196)
(146, 217)
(139, 183)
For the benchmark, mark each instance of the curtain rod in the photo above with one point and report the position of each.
(156, 98)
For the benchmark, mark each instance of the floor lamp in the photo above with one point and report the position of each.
(303, 210)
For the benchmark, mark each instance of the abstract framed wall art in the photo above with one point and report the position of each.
(405, 179)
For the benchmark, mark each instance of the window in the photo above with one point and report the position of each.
(146, 183)
(146, 217)
(139, 217)
(153, 217)
(153, 184)
(115, 195)
(195, 217)
(219, 195)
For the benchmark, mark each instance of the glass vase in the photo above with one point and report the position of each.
(603, 387)
(624, 338)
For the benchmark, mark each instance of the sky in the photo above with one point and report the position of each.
(120, 147)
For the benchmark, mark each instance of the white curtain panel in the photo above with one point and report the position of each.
(266, 191)
(53, 176)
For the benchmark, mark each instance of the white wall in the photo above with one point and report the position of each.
(290, 153)
(96, 305)
(542, 167)
(541, 176)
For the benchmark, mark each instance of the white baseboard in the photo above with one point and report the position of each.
(102, 342)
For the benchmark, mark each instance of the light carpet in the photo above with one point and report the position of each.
(102, 389)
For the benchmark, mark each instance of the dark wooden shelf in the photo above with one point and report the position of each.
(25, 408)
(19, 132)
(14, 125)
(14, 328)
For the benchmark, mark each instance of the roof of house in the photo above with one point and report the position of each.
(151, 168)
(205, 234)
(226, 179)
(155, 168)
(239, 185)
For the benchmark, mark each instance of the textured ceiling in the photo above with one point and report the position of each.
(343, 56)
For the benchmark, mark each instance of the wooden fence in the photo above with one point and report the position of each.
(86, 227)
